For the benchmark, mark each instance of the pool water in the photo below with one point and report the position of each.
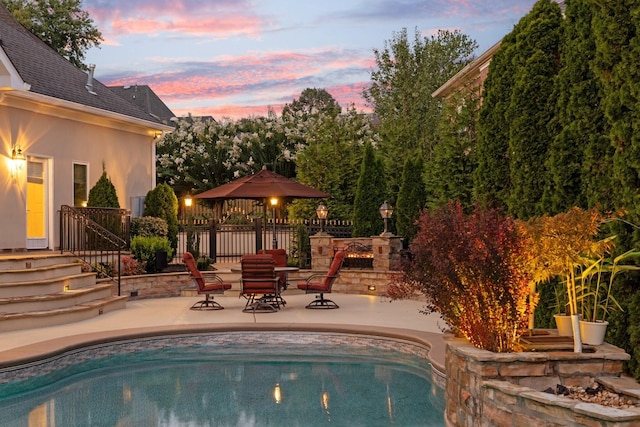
(242, 384)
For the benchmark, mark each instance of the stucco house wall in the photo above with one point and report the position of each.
(59, 115)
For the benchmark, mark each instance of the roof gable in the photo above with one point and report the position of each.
(29, 64)
(146, 99)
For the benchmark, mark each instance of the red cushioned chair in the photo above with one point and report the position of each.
(218, 286)
(280, 258)
(322, 283)
(259, 278)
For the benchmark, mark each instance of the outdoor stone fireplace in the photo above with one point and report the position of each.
(358, 256)
(373, 263)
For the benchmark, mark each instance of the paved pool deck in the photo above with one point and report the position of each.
(358, 314)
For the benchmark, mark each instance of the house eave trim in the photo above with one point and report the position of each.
(479, 63)
(73, 111)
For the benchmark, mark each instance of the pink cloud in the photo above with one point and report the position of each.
(345, 95)
(222, 27)
(221, 18)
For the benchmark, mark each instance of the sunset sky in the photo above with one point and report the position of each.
(235, 58)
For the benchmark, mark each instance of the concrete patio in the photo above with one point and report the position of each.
(359, 314)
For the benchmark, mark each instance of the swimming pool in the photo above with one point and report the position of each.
(235, 378)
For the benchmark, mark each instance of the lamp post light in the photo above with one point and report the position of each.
(385, 212)
(188, 202)
(274, 203)
(322, 213)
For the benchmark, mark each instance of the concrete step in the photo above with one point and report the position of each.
(37, 303)
(36, 260)
(39, 273)
(75, 313)
(48, 286)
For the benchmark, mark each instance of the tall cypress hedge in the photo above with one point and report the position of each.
(411, 200)
(370, 194)
(530, 109)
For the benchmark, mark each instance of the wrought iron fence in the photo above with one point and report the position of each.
(228, 242)
(97, 236)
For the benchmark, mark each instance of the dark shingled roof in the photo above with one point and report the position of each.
(52, 75)
(146, 99)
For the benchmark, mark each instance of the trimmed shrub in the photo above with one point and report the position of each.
(144, 249)
(161, 202)
(149, 226)
(204, 264)
(103, 194)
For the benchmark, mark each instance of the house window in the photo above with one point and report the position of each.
(80, 188)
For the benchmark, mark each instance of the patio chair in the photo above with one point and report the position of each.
(280, 258)
(322, 283)
(258, 277)
(218, 286)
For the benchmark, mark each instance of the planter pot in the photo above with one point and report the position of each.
(563, 322)
(161, 260)
(593, 332)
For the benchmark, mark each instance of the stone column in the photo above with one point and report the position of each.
(321, 251)
(386, 252)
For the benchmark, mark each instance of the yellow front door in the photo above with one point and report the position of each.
(37, 204)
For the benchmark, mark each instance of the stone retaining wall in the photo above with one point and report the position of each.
(506, 389)
(180, 283)
(154, 285)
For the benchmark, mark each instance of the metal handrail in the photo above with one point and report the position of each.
(97, 247)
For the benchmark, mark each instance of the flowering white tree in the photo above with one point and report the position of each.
(316, 147)
(202, 154)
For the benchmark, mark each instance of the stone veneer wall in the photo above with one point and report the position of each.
(506, 389)
(386, 263)
(180, 284)
(154, 285)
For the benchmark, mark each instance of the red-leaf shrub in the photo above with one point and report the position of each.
(470, 269)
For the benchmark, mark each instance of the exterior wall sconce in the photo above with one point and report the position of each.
(371, 287)
(18, 160)
(188, 201)
(385, 212)
(322, 213)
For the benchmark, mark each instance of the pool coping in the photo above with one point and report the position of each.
(50, 348)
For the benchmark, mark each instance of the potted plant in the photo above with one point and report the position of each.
(562, 246)
(595, 298)
(561, 315)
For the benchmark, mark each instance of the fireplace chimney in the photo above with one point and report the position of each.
(89, 85)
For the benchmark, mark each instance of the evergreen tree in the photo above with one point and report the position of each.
(491, 177)
(406, 74)
(62, 24)
(579, 160)
(370, 194)
(411, 199)
(311, 102)
(103, 193)
(331, 159)
(161, 202)
(530, 109)
(617, 32)
(450, 174)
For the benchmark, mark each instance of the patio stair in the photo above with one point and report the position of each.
(39, 290)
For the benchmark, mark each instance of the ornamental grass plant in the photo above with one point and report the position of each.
(470, 268)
